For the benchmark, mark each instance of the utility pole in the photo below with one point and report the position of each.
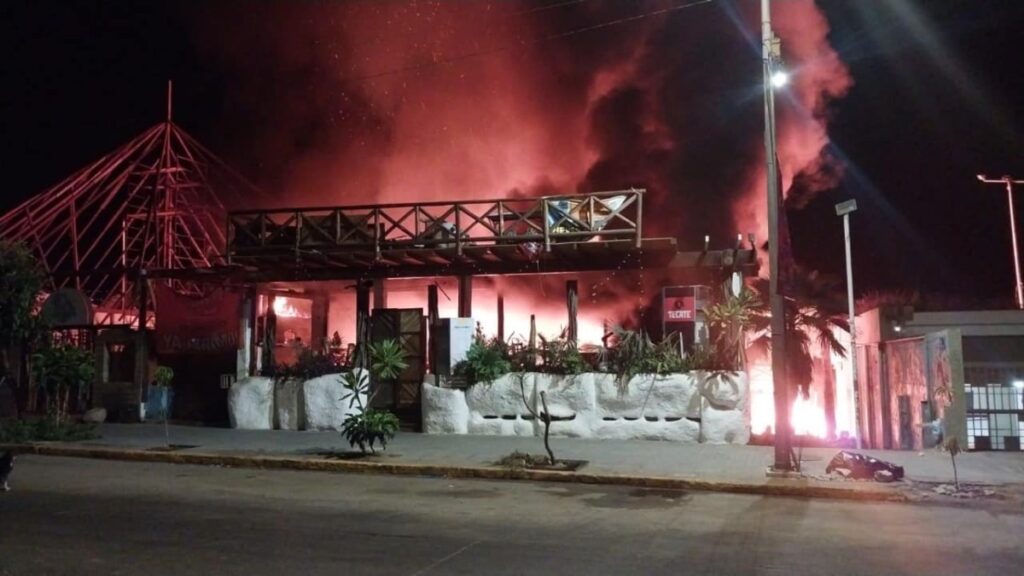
(780, 383)
(1009, 182)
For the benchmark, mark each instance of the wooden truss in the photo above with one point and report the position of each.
(157, 202)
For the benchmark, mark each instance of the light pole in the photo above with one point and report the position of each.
(844, 209)
(1009, 182)
(774, 78)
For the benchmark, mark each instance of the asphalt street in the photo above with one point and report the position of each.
(73, 516)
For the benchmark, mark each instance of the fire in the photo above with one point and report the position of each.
(283, 308)
(807, 414)
(807, 417)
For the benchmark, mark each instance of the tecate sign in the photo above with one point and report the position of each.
(680, 309)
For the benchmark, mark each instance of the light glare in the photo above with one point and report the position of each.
(780, 79)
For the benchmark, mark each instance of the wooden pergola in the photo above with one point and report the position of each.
(554, 234)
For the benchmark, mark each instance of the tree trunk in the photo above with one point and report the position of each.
(547, 428)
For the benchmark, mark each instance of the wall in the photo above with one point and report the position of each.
(689, 408)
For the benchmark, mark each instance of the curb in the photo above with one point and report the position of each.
(773, 488)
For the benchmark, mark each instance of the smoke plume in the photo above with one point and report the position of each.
(360, 102)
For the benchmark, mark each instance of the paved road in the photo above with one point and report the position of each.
(70, 516)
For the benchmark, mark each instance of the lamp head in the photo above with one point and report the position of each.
(844, 208)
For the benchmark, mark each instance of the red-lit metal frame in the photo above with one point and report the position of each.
(158, 201)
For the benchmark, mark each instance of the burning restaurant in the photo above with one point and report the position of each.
(537, 197)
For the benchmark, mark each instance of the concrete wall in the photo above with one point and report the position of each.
(690, 408)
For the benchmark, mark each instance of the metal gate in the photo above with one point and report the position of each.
(995, 416)
(408, 327)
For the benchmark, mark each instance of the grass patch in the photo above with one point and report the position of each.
(45, 430)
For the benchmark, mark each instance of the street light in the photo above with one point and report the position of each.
(780, 78)
(844, 209)
(1009, 182)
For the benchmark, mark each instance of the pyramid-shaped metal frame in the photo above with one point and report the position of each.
(156, 202)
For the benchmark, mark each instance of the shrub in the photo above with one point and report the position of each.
(45, 430)
(163, 375)
(369, 427)
(59, 370)
(387, 359)
(310, 364)
(485, 362)
(365, 427)
(635, 353)
(562, 357)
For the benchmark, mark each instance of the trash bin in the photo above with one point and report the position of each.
(158, 402)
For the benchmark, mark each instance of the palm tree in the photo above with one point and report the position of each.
(732, 318)
(815, 309)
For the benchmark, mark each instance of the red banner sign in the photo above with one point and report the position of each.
(196, 325)
(680, 309)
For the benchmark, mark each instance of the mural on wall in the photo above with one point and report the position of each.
(915, 369)
(945, 370)
(908, 392)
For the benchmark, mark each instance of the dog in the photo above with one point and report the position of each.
(6, 466)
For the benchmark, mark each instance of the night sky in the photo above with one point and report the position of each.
(938, 96)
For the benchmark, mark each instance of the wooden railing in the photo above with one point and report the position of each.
(436, 225)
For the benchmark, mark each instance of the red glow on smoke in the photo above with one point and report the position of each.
(817, 77)
(420, 101)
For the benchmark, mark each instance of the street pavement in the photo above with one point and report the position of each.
(83, 517)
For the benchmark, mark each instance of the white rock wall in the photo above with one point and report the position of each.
(497, 408)
(251, 404)
(289, 404)
(687, 408)
(326, 402)
(444, 410)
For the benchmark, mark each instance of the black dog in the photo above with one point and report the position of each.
(6, 465)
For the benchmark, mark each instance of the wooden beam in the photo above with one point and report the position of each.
(380, 294)
(433, 318)
(465, 296)
(572, 301)
(362, 323)
(318, 320)
(501, 317)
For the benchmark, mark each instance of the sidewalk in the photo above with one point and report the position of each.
(634, 462)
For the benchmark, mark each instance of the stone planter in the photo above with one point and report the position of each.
(251, 404)
(289, 404)
(672, 407)
(325, 402)
(444, 410)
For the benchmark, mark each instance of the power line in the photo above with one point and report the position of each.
(531, 43)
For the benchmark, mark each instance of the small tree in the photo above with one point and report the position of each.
(21, 281)
(544, 416)
(164, 375)
(950, 442)
(732, 318)
(367, 426)
(59, 370)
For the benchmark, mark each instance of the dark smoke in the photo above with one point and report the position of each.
(395, 101)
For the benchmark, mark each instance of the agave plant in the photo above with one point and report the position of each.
(387, 359)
